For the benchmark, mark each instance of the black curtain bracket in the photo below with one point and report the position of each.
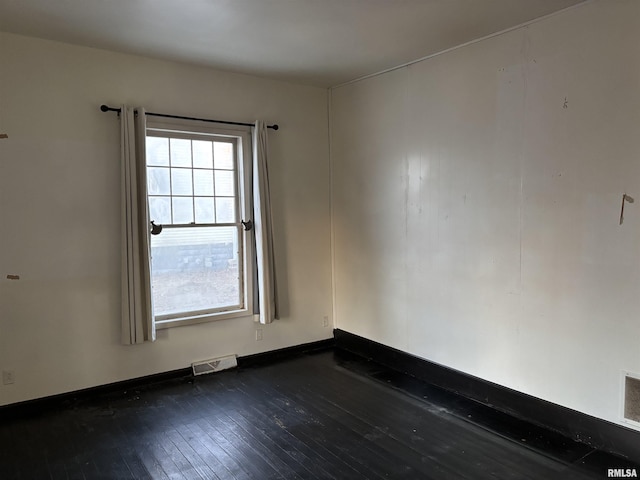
(248, 225)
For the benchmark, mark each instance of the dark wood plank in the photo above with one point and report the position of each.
(318, 416)
(195, 462)
(434, 433)
(287, 443)
(252, 462)
(110, 464)
(74, 470)
(234, 465)
(184, 468)
(359, 453)
(201, 446)
(150, 462)
(382, 454)
(87, 465)
(136, 466)
(316, 445)
(279, 452)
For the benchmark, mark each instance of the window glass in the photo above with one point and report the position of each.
(202, 154)
(223, 154)
(194, 272)
(157, 151)
(194, 192)
(180, 152)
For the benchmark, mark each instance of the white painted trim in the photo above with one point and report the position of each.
(462, 45)
(240, 137)
(210, 317)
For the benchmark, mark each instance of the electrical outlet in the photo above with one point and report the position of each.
(325, 321)
(8, 377)
(258, 335)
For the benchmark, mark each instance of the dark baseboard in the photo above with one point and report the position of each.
(580, 427)
(285, 353)
(64, 400)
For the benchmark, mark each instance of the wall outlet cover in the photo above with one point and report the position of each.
(8, 377)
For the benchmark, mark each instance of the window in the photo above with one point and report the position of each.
(197, 190)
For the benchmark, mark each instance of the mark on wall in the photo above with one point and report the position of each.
(4, 135)
(625, 198)
(13, 277)
(566, 103)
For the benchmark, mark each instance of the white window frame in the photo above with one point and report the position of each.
(242, 137)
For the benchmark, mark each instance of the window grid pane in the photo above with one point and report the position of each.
(158, 151)
(202, 154)
(223, 156)
(225, 210)
(192, 181)
(180, 150)
(224, 183)
(203, 182)
(204, 210)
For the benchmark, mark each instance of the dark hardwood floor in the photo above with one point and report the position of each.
(319, 415)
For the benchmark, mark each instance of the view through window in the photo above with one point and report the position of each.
(195, 186)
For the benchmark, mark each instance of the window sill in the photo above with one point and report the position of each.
(211, 317)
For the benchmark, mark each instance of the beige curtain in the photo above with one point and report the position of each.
(267, 292)
(137, 308)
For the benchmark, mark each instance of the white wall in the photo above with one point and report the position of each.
(476, 199)
(59, 212)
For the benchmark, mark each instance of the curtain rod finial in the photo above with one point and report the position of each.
(104, 108)
(275, 127)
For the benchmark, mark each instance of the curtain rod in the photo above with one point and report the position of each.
(106, 108)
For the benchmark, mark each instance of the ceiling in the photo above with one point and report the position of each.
(318, 42)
